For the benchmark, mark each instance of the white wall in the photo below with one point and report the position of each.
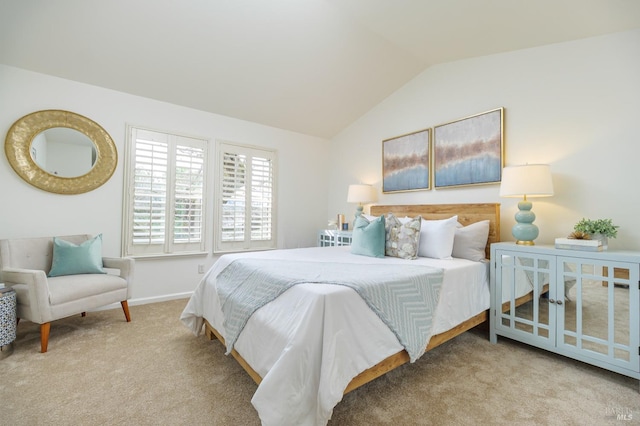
(575, 106)
(28, 212)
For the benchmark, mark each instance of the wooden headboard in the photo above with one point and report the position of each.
(467, 214)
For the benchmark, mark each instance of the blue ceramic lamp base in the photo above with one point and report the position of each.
(524, 230)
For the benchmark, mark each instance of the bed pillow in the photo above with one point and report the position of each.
(470, 241)
(436, 238)
(72, 259)
(402, 237)
(368, 238)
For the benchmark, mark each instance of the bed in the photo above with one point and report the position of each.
(314, 343)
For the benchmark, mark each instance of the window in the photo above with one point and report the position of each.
(245, 198)
(164, 201)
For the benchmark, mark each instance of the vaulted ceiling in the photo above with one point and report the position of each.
(309, 66)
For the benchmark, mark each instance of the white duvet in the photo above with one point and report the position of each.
(308, 344)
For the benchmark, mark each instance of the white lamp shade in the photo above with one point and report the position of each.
(362, 194)
(530, 180)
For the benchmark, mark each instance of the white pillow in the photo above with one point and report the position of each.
(436, 238)
(470, 241)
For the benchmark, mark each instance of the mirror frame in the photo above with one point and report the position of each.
(17, 148)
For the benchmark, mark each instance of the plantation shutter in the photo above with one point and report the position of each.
(166, 193)
(234, 193)
(245, 202)
(261, 199)
(150, 190)
(188, 194)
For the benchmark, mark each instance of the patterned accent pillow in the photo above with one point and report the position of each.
(403, 239)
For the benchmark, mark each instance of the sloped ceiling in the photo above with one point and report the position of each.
(309, 66)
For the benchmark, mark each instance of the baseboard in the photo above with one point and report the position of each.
(146, 300)
(163, 298)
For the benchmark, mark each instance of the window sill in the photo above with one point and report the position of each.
(221, 252)
(168, 255)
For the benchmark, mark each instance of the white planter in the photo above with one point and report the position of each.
(600, 237)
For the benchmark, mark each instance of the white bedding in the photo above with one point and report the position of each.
(308, 344)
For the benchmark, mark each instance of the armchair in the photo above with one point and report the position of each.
(25, 264)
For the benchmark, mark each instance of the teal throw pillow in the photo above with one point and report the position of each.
(368, 238)
(72, 259)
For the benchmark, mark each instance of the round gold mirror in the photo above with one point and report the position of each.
(61, 152)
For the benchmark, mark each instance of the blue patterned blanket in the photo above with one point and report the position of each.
(405, 297)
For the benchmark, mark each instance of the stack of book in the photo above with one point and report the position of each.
(575, 244)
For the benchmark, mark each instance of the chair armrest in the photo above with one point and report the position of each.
(37, 290)
(126, 265)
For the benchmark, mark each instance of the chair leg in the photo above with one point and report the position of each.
(44, 336)
(125, 308)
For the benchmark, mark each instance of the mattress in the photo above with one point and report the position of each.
(309, 343)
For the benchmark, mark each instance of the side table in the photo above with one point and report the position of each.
(7, 321)
(330, 237)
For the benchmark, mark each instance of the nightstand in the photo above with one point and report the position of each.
(330, 237)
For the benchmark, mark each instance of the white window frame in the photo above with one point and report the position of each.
(168, 247)
(247, 243)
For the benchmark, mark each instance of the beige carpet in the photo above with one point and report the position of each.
(101, 370)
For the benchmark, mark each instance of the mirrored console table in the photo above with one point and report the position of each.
(582, 305)
(329, 237)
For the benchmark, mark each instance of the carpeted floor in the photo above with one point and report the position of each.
(101, 370)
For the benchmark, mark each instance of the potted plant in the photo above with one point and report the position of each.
(599, 229)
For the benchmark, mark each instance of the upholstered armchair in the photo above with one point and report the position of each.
(52, 287)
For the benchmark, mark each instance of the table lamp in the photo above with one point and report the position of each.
(529, 180)
(361, 194)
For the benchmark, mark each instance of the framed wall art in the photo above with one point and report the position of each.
(405, 162)
(469, 151)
